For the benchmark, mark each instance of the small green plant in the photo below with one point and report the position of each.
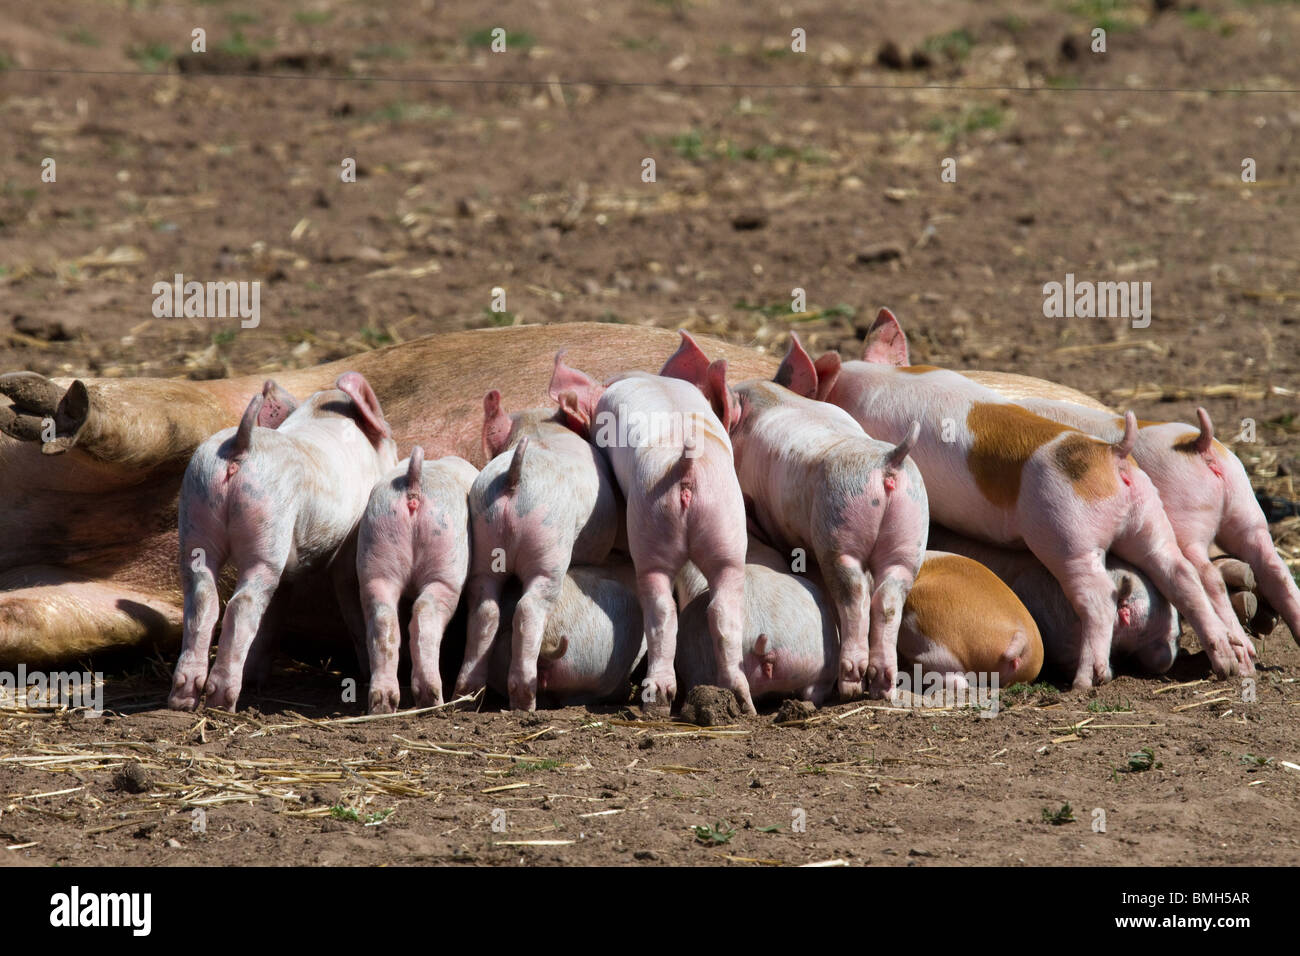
(375, 338)
(1142, 761)
(223, 338)
(313, 18)
(774, 828)
(151, 56)
(955, 45)
(83, 36)
(1058, 817)
(499, 318)
(340, 812)
(715, 835)
(1256, 761)
(383, 51)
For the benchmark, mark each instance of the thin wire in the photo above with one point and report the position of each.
(665, 84)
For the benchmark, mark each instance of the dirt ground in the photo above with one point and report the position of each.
(774, 170)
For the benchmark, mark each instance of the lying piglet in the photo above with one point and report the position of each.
(960, 621)
(1003, 475)
(591, 643)
(545, 499)
(817, 481)
(413, 542)
(789, 646)
(274, 503)
(671, 455)
(1145, 627)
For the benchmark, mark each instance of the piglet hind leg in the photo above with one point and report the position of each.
(1152, 548)
(379, 602)
(1215, 589)
(726, 617)
(432, 610)
(239, 629)
(654, 588)
(484, 618)
(202, 607)
(529, 625)
(892, 587)
(849, 586)
(1091, 593)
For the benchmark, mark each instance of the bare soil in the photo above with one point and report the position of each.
(775, 170)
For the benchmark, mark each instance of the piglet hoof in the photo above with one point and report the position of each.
(657, 694)
(383, 699)
(1101, 675)
(880, 681)
(851, 674)
(185, 693)
(428, 696)
(221, 694)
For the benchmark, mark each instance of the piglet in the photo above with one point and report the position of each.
(815, 480)
(964, 624)
(274, 502)
(413, 542)
(1146, 626)
(668, 446)
(545, 499)
(591, 643)
(790, 646)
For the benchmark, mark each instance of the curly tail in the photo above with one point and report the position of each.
(1124, 447)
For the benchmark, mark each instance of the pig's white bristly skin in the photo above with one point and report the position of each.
(285, 507)
(817, 481)
(591, 643)
(563, 510)
(799, 650)
(1068, 534)
(1146, 626)
(664, 531)
(413, 543)
(1207, 496)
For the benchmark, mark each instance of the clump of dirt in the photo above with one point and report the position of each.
(710, 706)
(132, 778)
(793, 710)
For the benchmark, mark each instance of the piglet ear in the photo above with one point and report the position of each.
(689, 363)
(576, 394)
(720, 397)
(355, 386)
(886, 344)
(496, 425)
(828, 370)
(277, 405)
(797, 372)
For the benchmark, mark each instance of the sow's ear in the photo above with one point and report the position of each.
(797, 372)
(496, 425)
(886, 344)
(828, 370)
